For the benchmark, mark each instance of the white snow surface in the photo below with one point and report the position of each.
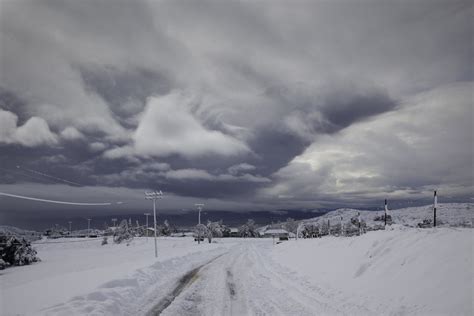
(72, 267)
(400, 270)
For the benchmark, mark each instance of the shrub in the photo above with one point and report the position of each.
(15, 251)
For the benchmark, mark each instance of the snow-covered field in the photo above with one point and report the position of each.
(398, 271)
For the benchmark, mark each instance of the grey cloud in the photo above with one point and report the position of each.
(269, 83)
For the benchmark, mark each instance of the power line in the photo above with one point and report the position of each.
(53, 201)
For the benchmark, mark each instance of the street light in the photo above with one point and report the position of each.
(154, 196)
(199, 206)
(147, 214)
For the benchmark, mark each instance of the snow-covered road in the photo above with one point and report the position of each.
(244, 281)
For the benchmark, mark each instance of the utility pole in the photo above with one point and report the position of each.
(147, 214)
(88, 227)
(199, 206)
(358, 219)
(385, 213)
(155, 195)
(342, 228)
(434, 208)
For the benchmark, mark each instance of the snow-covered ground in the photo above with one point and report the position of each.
(398, 271)
(72, 267)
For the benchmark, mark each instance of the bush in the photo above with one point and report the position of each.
(15, 251)
(123, 233)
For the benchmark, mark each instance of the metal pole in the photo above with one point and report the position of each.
(146, 215)
(154, 219)
(434, 208)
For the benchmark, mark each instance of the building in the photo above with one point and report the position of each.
(279, 233)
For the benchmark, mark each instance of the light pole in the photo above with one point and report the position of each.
(147, 214)
(199, 206)
(88, 227)
(154, 196)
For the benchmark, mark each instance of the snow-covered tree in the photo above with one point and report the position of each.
(248, 229)
(201, 231)
(16, 251)
(166, 229)
(310, 231)
(123, 232)
(215, 229)
(291, 225)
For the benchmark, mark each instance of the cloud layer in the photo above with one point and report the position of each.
(280, 105)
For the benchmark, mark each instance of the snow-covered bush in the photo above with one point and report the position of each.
(201, 232)
(123, 232)
(3, 264)
(310, 231)
(15, 251)
(104, 241)
(381, 218)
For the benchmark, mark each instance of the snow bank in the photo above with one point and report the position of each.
(72, 267)
(402, 270)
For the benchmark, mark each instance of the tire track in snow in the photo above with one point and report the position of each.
(182, 283)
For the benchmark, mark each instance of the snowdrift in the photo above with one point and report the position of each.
(397, 271)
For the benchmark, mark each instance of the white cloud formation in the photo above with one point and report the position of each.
(34, 132)
(198, 174)
(71, 133)
(236, 169)
(427, 144)
(168, 126)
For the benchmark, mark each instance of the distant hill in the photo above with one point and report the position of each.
(448, 214)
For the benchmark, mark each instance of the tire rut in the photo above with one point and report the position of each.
(182, 284)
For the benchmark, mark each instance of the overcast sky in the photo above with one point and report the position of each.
(249, 105)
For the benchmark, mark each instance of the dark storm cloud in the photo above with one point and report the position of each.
(125, 90)
(239, 100)
(342, 109)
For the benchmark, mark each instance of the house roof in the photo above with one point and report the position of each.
(276, 231)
